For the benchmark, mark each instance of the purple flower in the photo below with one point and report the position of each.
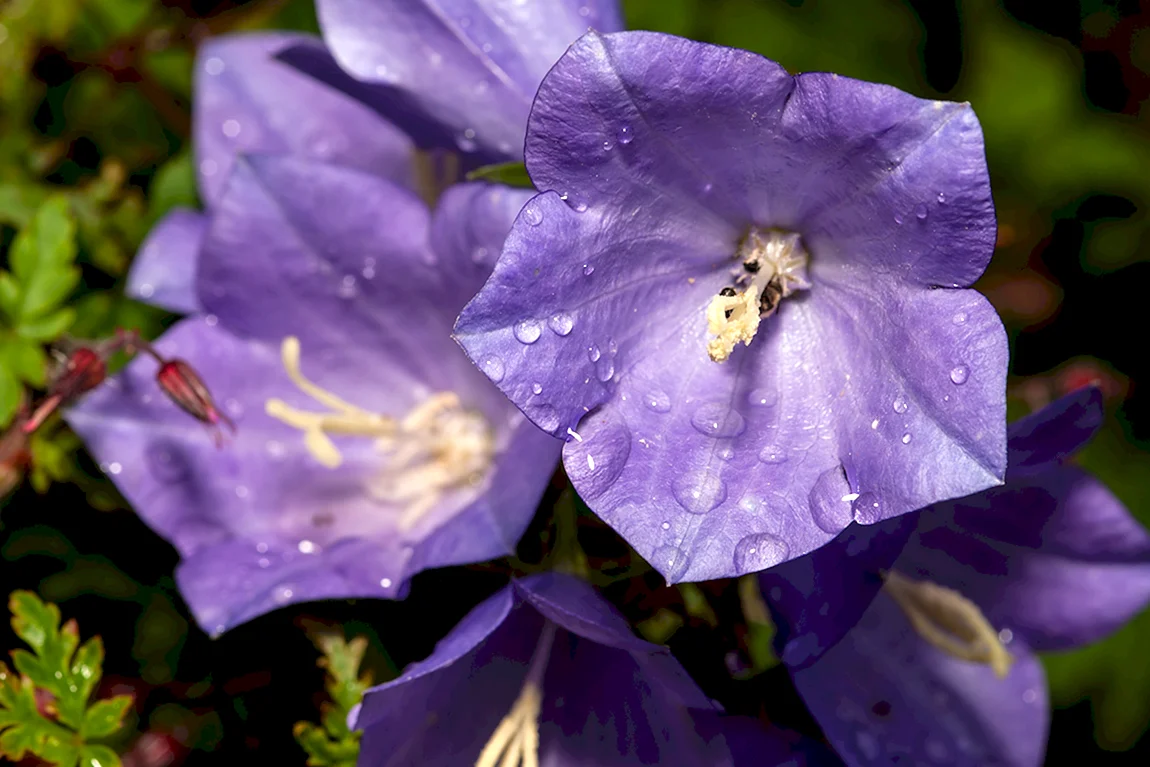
(245, 101)
(467, 71)
(744, 301)
(546, 672)
(368, 447)
(941, 665)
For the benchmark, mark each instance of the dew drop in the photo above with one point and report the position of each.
(773, 454)
(942, 198)
(759, 551)
(959, 318)
(347, 287)
(608, 145)
(900, 404)
(707, 187)
(537, 388)
(867, 509)
(493, 368)
(605, 370)
(828, 509)
(532, 215)
(596, 461)
(717, 419)
(561, 324)
(588, 270)
(231, 128)
(874, 424)
(699, 492)
(214, 66)
(283, 594)
(898, 219)
(115, 467)
(672, 561)
(1030, 696)
(545, 417)
(762, 398)
(906, 438)
(593, 353)
(1006, 636)
(920, 211)
(528, 331)
(307, 547)
(959, 374)
(626, 135)
(657, 401)
(479, 255)
(666, 525)
(385, 583)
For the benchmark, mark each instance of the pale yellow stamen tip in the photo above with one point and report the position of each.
(949, 621)
(740, 326)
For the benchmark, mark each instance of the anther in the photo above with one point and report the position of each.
(949, 621)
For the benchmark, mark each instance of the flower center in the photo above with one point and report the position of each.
(772, 265)
(515, 742)
(949, 621)
(436, 447)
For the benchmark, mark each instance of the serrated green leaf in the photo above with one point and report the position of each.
(174, 186)
(333, 744)
(105, 717)
(98, 756)
(509, 173)
(49, 328)
(321, 750)
(49, 239)
(47, 289)
(9, 295)
(23, 730)
(24, 359)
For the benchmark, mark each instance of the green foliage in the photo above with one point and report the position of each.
(509, 173)
(44, 705)
(333, 744)
(42, 274)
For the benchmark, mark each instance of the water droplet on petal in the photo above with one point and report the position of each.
(532, 215)
(942, 198)
(773, 454)
(231, 128)
(545, 417)
(874, 424)
(900, 405)
(605, 370)
(959, 374)
(672, 561)
(214, 66)
(828, 509)
(666, 525)
(561, 324)
(596, 461)
(920, 211)
(385, 583)
(906, 438)
(867, 509)
(283, 594)
(898, 219)
(493, 368)
(626, 135)
(537, 388)
(657, 401)
(959, 318)
(593, 353)
(1030, 696)
(699, 492)
(758, 552)
(528, 331)
(762, 397)
(608, 145)
(717, 419)
(588, 270)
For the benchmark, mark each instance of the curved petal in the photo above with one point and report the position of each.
(242, 515)
(164, 271)
(1053, 557)
(574, 605)
(884, 696)
(248, 102)
(817, 598)
(472, 66)
(1055, 432)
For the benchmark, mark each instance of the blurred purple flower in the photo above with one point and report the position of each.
(545, 672)
(246, 102)
(940, 667)
(368, 447)
(817, 230)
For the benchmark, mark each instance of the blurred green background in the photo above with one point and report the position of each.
(95, 105)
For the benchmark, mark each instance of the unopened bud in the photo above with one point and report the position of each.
(185, 388)
(83, 370)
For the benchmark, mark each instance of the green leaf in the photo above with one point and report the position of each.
(105, 717)
(48, 328)
(333, 744)
(11, 393)
(24, 359)
(23, 730)
(174, 186)
(98, 756)
(509, 173)
(42, 261)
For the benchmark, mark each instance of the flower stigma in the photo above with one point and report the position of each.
(772, 265)
(516, 739)
(949, 621)
(436, 447)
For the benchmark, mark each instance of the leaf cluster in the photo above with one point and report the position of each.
(333, 743)
(45, 708)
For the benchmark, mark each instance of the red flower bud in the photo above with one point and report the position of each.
(82, 371)
(183, 386)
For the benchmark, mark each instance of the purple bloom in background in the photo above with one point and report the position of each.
(245, 101)
(368, 447)
(940, 667)
(466, 70)
(545, 672)
(744, 301)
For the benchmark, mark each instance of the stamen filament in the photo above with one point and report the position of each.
(516, 738)
(949, 621)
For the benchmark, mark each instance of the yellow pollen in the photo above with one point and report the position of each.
(741, 324)
(949, 621)
(436, 447)
(516, 738)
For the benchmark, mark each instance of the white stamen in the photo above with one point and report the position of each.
(772, 265)
(516, 738)
(949, 621)
(436, 447)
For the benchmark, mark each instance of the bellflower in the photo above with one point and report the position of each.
(368, 447)
(245, 101)
(744, 301)
(940, 667)
(545, 672)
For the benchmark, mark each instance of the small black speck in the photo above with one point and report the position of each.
(727, 292)
(752, 266)
(881, 708)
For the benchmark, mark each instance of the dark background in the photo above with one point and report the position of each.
(95, 97)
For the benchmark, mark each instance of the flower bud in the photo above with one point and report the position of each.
(185, 388)
(83, 370)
